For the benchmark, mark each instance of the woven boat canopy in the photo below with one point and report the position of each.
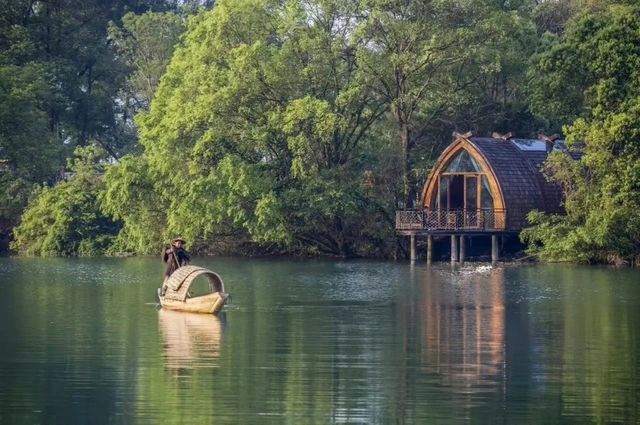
(181, 280)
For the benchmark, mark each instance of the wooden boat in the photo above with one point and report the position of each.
(176, 291)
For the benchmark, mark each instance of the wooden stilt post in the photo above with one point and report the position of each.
(494, 249)
(462, 250)
(429, 249)
(413, 248)
(454, 249)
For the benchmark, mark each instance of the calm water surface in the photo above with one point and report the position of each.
(315, 342)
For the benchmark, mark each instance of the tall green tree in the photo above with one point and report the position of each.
(130, 197)
(145, 43)
(257, 129)
(28, 152)
(271, 124)
(86, 73)
(441, 66)
(60, 87)
(592, 74)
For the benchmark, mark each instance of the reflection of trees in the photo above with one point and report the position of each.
(464, 331)
(600, 361)
(581, 359)
(562, 348)
(190, 340)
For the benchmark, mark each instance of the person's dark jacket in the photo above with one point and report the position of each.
(169, 257)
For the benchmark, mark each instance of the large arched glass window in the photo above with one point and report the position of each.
(463, 163)
(463, 185)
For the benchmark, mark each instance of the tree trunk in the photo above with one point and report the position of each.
(407, 181)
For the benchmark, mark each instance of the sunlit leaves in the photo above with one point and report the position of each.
(262, 103)
(597, 61)
(65, 220)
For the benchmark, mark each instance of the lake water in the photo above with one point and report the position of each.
(319, 342)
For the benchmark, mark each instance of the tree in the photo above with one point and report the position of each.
(592, 73)
(66, 41)
(436, 63)
(258, 125)
(28, 153)
(59, 88)
(129, 196)
(145, 43)
(65, 220)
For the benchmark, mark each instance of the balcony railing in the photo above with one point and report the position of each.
(463, 220)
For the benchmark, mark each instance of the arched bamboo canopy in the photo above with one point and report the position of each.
(180, 282)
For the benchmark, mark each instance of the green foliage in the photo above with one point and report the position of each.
(444, 66)
(26, 149)
(61, 84)
(596, 65)
(257, 126)
(129, 197)
(65, 220)
(272, 116)
(27, 154)
(292, 126)
(145, 44)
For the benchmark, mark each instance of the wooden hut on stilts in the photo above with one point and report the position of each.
(481, 186)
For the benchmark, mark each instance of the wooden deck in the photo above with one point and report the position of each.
(424, 221)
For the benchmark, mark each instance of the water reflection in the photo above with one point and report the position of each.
(463, 319)
(189, 340)
(320, 342)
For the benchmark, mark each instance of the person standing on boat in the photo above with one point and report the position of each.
(175, 256)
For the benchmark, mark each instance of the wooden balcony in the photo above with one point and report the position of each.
(450, 221)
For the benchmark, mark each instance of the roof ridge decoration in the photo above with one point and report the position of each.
(546, 138)
(466, 135)
(550, 141)
(506, 136)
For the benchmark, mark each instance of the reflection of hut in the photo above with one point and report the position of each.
(464, 331)
(482, 185)
(190, 340)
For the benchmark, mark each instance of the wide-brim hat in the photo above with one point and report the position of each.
(178, 239)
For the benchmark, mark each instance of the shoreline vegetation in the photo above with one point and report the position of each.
(297, 128)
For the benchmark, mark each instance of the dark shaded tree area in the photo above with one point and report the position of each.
(61, 85)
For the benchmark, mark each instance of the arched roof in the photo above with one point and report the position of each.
(180, 281)
(513, 169)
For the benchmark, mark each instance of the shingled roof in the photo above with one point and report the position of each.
(514, 165)
(517, 166)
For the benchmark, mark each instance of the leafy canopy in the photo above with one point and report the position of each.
(595, 70)
(65, 220)
(257, 128)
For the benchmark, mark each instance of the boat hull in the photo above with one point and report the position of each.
(210, 303)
